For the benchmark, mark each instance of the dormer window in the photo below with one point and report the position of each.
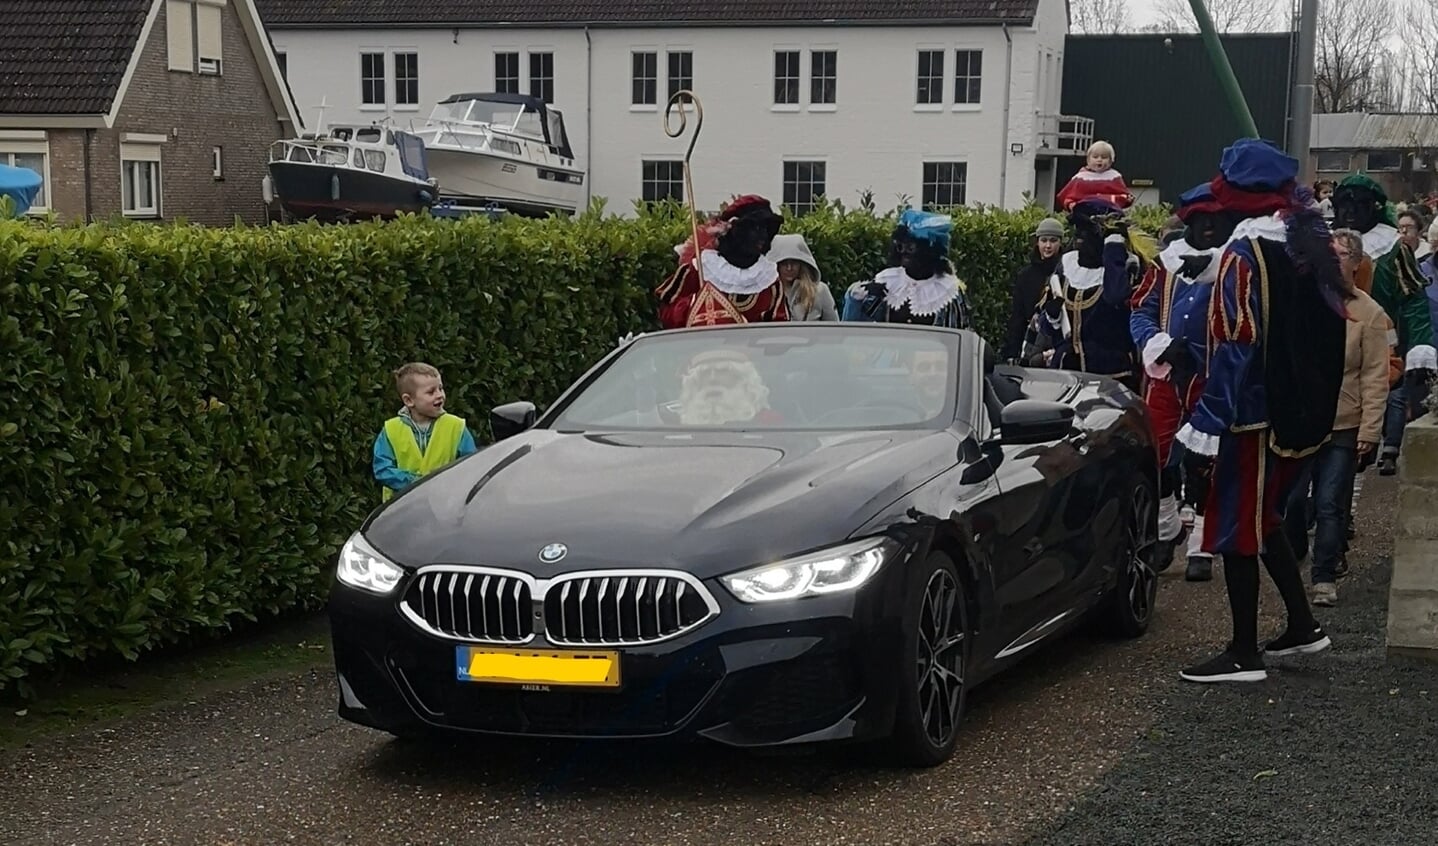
(194, 31)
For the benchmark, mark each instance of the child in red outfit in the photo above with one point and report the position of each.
(1097, 181)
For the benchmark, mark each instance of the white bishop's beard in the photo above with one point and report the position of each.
(709, 401)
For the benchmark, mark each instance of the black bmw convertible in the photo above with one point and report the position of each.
(760, 535)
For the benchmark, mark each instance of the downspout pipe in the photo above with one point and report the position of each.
(1004, 136)
(1221, 66)
(1303, 90)
(588, 118)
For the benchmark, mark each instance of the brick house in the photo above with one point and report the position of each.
(143, 109)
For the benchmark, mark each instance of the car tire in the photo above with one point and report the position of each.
(1131, 603)
(933, 670)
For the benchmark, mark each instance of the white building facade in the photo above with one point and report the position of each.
(948, 111)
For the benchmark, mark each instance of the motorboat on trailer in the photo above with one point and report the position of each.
(349, 173)
(506, 150)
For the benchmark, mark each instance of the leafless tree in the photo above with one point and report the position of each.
(1227, 15)
(1352, 72)
(1098, 17)
(1420, 55)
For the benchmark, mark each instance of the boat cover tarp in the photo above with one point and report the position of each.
(21, 185)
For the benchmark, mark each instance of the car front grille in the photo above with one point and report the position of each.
(624, 608)
(594, 608)
(471, 605)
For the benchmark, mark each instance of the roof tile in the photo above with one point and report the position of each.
(66, 57)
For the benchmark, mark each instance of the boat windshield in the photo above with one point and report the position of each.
(510, 116)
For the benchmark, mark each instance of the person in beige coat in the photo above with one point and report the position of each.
(1357, 429)
(804, 289)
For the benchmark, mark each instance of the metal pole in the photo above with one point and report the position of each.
(1226, 78)
(1303, 94)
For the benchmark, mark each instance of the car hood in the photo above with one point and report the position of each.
(705, 503)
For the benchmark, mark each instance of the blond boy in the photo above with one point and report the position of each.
(423, 437)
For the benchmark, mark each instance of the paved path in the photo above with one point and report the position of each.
(1093, 742)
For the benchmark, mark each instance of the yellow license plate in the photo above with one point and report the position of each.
(537, 666)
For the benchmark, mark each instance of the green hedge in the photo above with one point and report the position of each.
(190, 411)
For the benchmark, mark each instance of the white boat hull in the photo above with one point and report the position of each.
(472, 178)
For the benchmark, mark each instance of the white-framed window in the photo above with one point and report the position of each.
(945, 184)
(140, 186)
(194, 36)
(661, 179)
(541, 76)
(804, 185)
(930, 78)
(372, 78)
(968, 77)
(406, 79)
(680, 69)
(32, 154)
(644, 75)
(506, 72)
(823, 77)
(786, 77)
(217, 163)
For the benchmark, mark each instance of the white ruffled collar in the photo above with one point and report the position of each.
(738, 281)
(1080, 278)
(924, 297)
(1379, 241)
(1269, 227)
(1173, 255)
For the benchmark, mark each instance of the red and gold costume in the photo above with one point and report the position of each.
(728, 293)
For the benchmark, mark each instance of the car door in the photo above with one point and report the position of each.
(1038, 526)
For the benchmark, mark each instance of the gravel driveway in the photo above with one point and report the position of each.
(1092, 742)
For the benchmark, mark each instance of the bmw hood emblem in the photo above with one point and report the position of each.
(553, 553)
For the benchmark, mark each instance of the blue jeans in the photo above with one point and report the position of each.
(1331, 475)
(1394, 419)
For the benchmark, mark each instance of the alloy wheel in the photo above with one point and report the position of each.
(940, 657)
(1142, 543)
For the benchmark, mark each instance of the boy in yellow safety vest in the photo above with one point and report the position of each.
(422, 438)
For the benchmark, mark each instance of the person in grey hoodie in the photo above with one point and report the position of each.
(804, 289)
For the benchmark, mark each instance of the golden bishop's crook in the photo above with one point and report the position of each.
(679, 100)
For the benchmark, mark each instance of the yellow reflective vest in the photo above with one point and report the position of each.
(443, 446)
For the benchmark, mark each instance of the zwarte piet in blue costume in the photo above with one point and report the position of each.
(1082, 321)
(919, 285)
(1170, 328)
(1277, 337)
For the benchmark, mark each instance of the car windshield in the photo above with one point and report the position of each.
(777, 377)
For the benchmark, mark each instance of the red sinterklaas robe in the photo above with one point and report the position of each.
(728, 294)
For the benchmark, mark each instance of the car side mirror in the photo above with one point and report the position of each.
(508, 420)
(1034, 422)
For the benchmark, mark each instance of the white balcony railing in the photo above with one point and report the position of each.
(1064, 135)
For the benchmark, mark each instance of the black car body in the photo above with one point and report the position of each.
(1026, 502)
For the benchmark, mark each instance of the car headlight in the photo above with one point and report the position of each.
(364, 568)
(826, 571)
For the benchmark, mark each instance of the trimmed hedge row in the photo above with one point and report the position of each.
(190, 410)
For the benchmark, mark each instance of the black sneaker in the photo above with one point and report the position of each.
(1200, 568)
(1163, 555)
(1388, 466)
(1291, 643)
(1230, 666)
